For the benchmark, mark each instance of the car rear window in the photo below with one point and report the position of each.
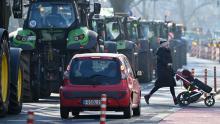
(95, 71)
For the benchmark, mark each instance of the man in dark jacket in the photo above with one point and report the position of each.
(165, 72)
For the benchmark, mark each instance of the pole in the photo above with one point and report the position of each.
(30, 119)
(215, 81)
(205, 80)
(103, 109)
(193, 72)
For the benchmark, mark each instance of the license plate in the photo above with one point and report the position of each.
(91, 102)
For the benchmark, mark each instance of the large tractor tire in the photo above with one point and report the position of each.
(16, 71)
(25, 62)
(144, 66)
(45, 89)
(30, 91)
(35, 79)
(45, 86)
(4, 72)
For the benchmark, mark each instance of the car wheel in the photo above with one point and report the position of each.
(128, 111)
(64, 112)
(137, 110)
(75, 113)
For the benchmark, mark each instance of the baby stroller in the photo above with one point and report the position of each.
(195, 89)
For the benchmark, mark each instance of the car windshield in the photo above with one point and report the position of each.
(51, 15)
(95, 72)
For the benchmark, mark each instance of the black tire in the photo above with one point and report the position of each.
(75, 113)
(209, 101)
(35, 89)
(64, 112)
(25, 62)
(144, 66)
(45, 89)
(137, 110)
(183, 99)
(128, 111)
(15, 100)
(31, 91)
(35, 78)
(4, 77)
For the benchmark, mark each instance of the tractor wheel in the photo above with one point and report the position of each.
(4, 73)
(25, 62)
(15, 100)
(36, 80)
(45, 89)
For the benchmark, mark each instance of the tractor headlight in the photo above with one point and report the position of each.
(25, 38)
(18, 37)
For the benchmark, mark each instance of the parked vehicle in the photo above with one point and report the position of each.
(53, 31)
(11, 70)
(92, 74)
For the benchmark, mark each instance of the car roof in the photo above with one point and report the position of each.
(114, 55)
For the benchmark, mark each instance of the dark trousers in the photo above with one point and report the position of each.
(172, 91)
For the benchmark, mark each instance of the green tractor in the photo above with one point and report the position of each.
(177, 44)
(11, 71)
(125, 35)
(112, 32)
(52, 33)
(145, 53)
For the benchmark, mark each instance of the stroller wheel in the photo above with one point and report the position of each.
(182, 99)
(209, 101)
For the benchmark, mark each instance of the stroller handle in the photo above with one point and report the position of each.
(182, 78)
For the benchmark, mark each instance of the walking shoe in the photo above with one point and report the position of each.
(175, 101)
(147, 97)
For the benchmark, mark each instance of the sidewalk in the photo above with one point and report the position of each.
(195, 114)
(198, 113)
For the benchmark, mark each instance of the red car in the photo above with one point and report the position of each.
(92, 74)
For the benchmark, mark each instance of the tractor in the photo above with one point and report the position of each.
(53, 32)
(11, 70)
(125, 35)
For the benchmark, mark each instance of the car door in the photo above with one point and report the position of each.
(132, 82)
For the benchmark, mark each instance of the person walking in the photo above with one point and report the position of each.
(164, 71)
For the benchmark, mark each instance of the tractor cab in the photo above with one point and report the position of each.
(47, 14)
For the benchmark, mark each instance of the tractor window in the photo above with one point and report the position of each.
(51, 15)
(145, 32)
(132, 31)
(113, 30)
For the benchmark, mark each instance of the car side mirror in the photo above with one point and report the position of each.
(97, 8)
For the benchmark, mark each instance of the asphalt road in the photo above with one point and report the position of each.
(160, 110)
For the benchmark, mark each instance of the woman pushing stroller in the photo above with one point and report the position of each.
(164, 71)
